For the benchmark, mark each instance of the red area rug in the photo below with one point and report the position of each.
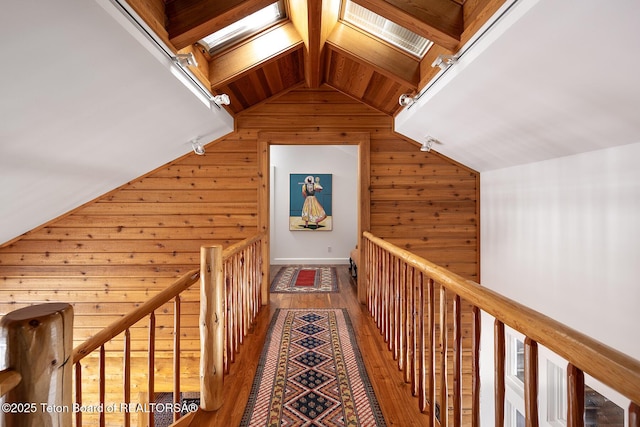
(311, 374)
(297, 279)
(306, 278)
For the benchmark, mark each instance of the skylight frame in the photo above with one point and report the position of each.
(385, 29)
(245, 28)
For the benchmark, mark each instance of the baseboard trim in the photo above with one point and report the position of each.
(310, 261)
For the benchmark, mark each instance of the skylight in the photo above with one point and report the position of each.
(386, 30)
(245, 27)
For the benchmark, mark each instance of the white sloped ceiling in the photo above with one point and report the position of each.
(85, 106)
(550, 79)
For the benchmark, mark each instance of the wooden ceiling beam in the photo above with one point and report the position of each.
(441, 21)
(314, 20)
(190, 20)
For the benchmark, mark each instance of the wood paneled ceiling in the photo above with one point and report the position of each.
(313, 46)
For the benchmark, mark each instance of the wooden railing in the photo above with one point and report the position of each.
(404, 293)
(122, 327)
(229, 300)
(9, 379)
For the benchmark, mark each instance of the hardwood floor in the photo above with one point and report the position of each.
(398, 406)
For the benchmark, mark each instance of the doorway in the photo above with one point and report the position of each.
(267, 139)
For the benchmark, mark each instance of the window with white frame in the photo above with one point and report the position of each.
(245, 27)
(556, 394)
(513, 416)
(385, 29)
(515, 359)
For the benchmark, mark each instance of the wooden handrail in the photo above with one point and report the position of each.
(119, 326)
(242, 266)
(602, 362)
(9, 379)
(236, 247)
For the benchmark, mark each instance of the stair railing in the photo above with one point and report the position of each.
(230, 300)
(9, 379)
(402, 298)
(122, 327)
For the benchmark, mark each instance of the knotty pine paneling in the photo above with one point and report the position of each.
(113, 254)
(420, 201)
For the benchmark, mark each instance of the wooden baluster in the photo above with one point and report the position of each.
(409, 332)
(418, 328)
(237, 333)
(531, 382)
(78, 393)
(230, 348)
(238, 311)
(575, 396)
(369, 280)
(444, 354)
(391, 298)
(382, 286)
(256, 281)
(239, 290)
(176, 355)
(228, 306)
(242, 324)
(475, 368)
(250, 278)
(422, 299)
(402, 316)
(431, 381)
(234, 310)
(152, 363)
(233, 313)
(249, 262)
(378, 287)
(634, 415)
(366, 259)
(385, 298)
(371, 263)
(373, 281)
(102, 384)
(126, 381)
(246, 287)
(397, 309)
(457, 361)
(499, 354)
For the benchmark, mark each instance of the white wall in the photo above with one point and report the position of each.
(563, 237)
(314, 247)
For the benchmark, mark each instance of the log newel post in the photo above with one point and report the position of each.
(39, 346)
(212, 316)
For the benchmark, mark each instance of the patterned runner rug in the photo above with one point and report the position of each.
(297, 278)
(311, 374)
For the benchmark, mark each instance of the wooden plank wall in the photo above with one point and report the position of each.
(112, 254)
(420, 201)
(423, 202)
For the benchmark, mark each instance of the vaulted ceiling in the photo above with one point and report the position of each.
(88, 102)
(313, 46)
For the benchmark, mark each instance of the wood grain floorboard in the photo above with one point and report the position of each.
(398, 406)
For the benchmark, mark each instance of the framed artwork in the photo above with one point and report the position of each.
(310, 207)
